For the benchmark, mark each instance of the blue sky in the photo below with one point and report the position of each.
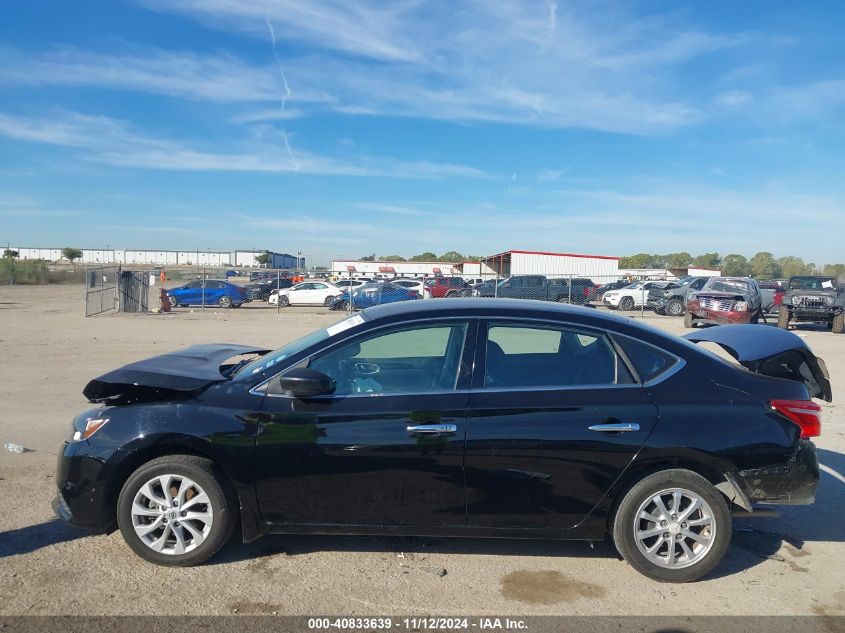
(343, 128)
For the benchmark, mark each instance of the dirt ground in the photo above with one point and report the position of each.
(48, 351)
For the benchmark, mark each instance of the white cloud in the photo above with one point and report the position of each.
(113, 142)
(508, 61)
(734, 98)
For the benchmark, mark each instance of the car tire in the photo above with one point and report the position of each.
(660, 311)
(783, 318)
(225, 302)
(173, 300)
(161, 544)
(675, 308)
(329, 300)
(837, 326)
(681, 544)
(284, 301)
(689, 320)
(626, 304)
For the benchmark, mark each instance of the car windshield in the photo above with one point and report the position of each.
(275, 357)
(812, 283)
(718, 284)
(634, 285)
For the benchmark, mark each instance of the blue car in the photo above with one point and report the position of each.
(208, 292)
(373, 294)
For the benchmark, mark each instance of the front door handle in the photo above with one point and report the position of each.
(614, 427)
(432, 429)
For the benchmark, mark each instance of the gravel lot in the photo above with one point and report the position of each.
(49, 350)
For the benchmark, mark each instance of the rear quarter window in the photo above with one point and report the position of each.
(649, 361)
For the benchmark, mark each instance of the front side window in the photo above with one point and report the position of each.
(411, 360)
(528, 356)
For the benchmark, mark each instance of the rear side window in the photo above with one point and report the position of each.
(522, 356)
(649, 361)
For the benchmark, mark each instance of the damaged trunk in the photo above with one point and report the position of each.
(771, 352)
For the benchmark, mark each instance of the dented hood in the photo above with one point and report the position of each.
(772, 352)
(178, 372)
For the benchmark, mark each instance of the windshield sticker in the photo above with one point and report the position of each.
(827, 284)
(344, 325)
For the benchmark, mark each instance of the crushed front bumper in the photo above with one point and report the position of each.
(792, 484)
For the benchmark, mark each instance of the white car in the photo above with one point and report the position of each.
(631, 296)
(346, 284)
(308, 293)
(410, 284)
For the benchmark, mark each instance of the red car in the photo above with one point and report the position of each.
(724, 300)
(437, 287)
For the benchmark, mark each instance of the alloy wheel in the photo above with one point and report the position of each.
(674, 528)
(172, 514)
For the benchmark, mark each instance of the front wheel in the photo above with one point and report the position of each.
(626, 304)
(674, 308)
(224, 302)
(673, 526)
(783, 317)
(284, 301)
(838, 324)
(174, 511)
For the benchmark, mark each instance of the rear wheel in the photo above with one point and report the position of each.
(627, 303)
(329, 300)
(673, 526)
(674, 307)
(175, 511)
(689, 320)
(838, 324)
(783, 318)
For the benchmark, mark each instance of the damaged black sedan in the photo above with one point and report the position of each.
(477, 418)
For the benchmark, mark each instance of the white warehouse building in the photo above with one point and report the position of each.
(355, 268)
(599, 268)
(143, 257)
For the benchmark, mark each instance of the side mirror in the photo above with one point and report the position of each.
(302, 382)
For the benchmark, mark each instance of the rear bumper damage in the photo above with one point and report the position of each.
(792, 484)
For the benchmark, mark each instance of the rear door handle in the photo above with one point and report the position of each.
(432, 429)
(614, 427)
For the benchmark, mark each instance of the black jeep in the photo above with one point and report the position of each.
(816, 299)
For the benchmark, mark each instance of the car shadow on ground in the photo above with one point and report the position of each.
(786, 539)
(33, 537)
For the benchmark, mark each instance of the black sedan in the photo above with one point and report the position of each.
(261, 290)
(471, 417)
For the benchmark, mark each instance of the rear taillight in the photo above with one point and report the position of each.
(805, 413)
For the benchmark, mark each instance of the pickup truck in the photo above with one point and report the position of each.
(540, 287)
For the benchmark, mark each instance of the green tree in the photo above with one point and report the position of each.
(706, 260)
(424, 257)
(792, 266)
(763, 265)
(264, 259)
(71, 254)
(640, 260)
(451, 256)
(392, 258)
(834, 269)
(735, 265)
(368, 258)
(8, 253)
(475, 258)
(677, 260)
